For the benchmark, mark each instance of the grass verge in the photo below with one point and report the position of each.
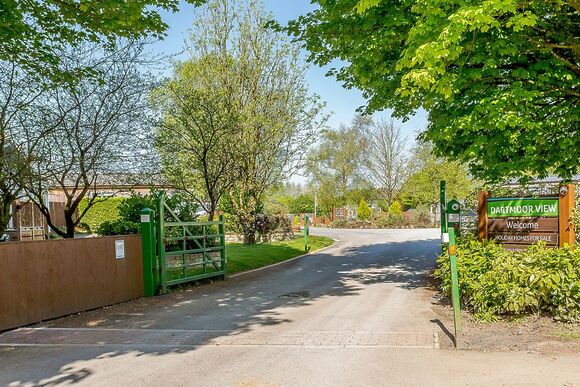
(248, 257)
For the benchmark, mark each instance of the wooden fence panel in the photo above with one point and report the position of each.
(41, 280)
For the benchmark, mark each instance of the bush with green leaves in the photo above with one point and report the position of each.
(495, 282)
(130, 209)
(364, 212)
(100, 212)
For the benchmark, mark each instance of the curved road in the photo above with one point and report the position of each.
(357, 313)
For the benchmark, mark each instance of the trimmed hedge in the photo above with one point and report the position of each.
(100, 213)
(494, 282)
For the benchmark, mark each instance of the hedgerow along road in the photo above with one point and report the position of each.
(357, 313)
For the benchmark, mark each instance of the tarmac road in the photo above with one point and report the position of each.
(357, 313)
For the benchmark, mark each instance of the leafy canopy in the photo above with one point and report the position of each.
(33, 32)
(499, 78)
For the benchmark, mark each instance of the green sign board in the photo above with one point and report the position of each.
(522, 207)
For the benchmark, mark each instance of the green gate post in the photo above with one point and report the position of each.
(306, 233)
(222, 232)
(148, 249)
(161, 241)
(454, 285)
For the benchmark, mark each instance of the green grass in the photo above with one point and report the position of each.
(247, 257)
(570, 335)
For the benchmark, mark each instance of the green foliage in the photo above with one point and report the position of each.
(118, 227)
(100, 212)
(32, 32)
(494, 282)
(363, 211)
(499, 78)
(303, 204)
(395, 208)
(422, 186)
(389, 220)
(129, 210)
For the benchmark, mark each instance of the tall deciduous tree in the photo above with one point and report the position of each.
(197, 133)
(499, 78)
(97, 129)
(339, 158)
(386, 159)
(260, 71)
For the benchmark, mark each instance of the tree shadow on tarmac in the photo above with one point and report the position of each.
(231, 309)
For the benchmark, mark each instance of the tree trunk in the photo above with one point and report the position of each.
(70, 224)
(5, 214)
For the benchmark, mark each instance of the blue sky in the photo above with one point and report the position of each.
(341, 103)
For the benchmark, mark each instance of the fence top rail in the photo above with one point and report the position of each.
(181, 224)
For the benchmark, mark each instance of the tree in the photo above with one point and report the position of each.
(499, 78)
(385, 159)
(97, 127)
(422, 186)
(302, 204)
(364, 212)
(261, 73)
(196, 135)
(19, 135)
(339, 158)
(33, 33)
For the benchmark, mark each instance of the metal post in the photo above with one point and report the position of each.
(161, 241)
(222, 232)
(443, 206)
(454, 285)
(306, 232)
(148, 249)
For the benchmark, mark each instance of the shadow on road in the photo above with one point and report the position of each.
(230, 308)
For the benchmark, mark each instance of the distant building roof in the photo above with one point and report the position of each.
(549, 180)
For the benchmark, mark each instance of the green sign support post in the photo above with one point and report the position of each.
(306, 233)
(454, 285)
(148, 247)
(443, 206)
(453, 216)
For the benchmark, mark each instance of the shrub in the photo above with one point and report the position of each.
(389, 220)
(118, 227)
(494, 282)
(100, 212)
(268, 224)
(396, 208)
(363, 212)
(128, 221)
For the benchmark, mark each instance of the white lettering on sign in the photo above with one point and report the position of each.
(522, 225)
(549, 208)
(120, 249)
(145, 219)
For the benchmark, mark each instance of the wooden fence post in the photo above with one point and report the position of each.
(482, 212)
(566, 225)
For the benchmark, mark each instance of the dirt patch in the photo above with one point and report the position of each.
(533, 334)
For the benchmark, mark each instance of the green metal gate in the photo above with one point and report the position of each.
(176, 252)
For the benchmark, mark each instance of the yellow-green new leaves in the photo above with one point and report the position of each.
(499, 78)
(363, 5)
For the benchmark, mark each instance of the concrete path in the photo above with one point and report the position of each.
(358, 313)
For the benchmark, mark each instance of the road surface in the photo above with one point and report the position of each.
(357, 313)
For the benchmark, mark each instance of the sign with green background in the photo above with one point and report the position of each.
(522, 207)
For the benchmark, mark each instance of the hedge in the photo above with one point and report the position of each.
(100, 212)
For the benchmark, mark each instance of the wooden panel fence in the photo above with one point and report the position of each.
(41, 280)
